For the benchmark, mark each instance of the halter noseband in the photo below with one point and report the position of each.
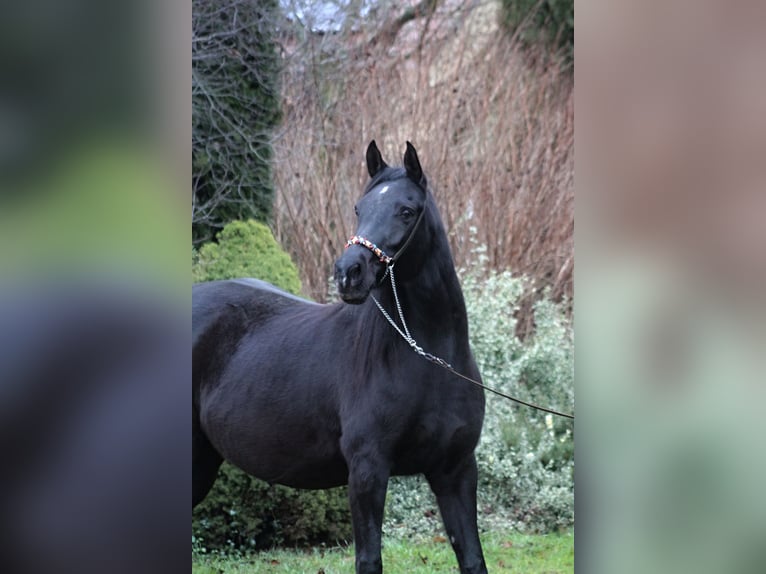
(378, 252)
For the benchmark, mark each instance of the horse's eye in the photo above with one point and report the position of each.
(356, 210)
(406, 212)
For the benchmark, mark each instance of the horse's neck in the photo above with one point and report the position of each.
(432, 300)
(437, 287)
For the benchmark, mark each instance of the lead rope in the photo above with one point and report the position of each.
(405, 334)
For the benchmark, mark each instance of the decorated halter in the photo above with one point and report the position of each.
(379, 253)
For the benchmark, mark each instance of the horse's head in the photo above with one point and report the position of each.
(388, 215)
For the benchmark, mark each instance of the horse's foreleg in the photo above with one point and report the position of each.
(367, 484)
(455, 492)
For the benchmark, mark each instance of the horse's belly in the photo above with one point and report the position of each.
(292, 463)
(298, 451)
(295, 471)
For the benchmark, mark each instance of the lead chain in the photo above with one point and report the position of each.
(406, 333)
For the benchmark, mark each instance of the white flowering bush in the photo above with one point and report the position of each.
(525, 457)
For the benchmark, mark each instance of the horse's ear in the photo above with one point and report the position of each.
(412, 166)
(374, 160)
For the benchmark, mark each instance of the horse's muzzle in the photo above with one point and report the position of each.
(355, 275)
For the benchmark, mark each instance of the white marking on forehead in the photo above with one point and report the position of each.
(384, 190)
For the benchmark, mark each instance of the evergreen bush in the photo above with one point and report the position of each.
(246, 249)
(235, 107)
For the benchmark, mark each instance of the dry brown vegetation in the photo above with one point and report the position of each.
(494, 129)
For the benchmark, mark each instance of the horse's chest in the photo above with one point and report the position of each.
(432, 438)
(418, 421)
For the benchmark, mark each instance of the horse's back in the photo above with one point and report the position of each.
(223, 312)
(247, 298)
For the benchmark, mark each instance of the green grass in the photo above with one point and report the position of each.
(504, 552)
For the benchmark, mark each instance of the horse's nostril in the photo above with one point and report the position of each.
(354, 272)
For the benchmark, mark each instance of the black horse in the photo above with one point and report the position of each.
(315, 396)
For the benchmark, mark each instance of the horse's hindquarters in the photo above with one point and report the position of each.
(268, 404)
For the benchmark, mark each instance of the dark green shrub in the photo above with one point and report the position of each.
(246, 249)
(241, 512)
(547, 22)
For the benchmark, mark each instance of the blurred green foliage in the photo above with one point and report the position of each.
(102, 209)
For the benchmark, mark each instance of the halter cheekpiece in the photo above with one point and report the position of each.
(379, 253)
